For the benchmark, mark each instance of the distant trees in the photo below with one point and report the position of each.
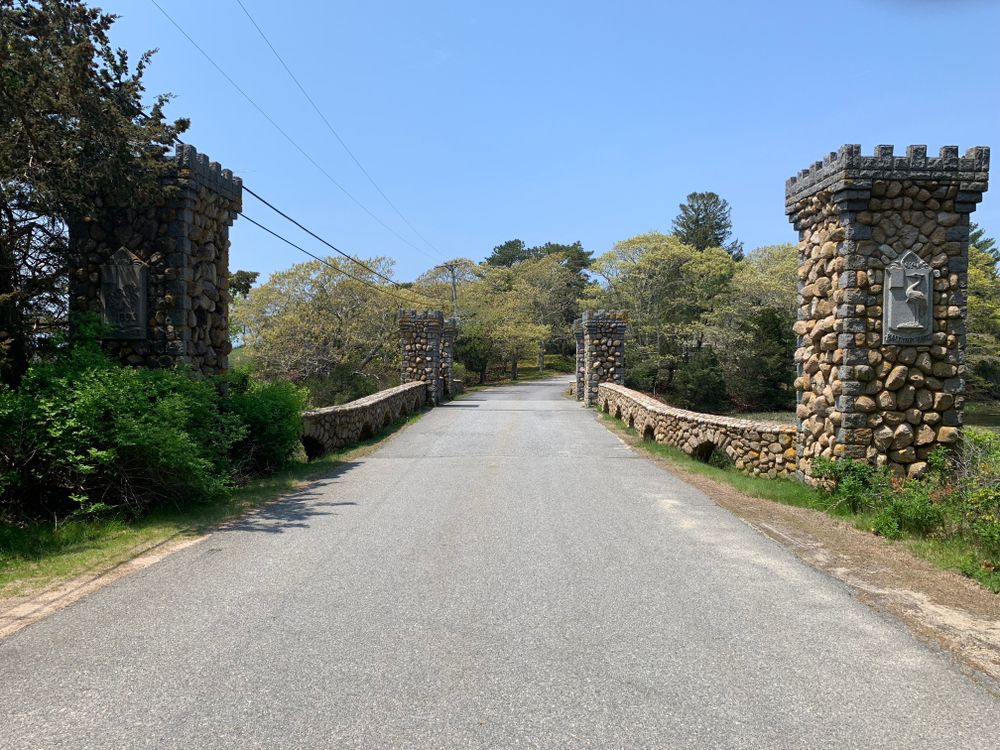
(704, 222)
(240, 282)
(73, 137)
(983, 348)
(314, 325)
(683, 301)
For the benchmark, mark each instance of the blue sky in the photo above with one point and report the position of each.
(558, 121)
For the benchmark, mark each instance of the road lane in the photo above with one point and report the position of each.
(503, 573)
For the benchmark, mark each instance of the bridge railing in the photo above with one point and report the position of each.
(755, 447)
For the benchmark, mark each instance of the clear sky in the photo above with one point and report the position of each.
(558, 121)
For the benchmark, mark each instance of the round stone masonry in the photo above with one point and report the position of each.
(883, 275)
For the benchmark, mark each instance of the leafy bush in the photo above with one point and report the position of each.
(700, 383)
(853, 485)
(272, 415)
(959, 496)
(560, 363)
(84, 435)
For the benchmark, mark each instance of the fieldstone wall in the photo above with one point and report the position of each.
(159, 276)
(420, 345)
(581, 359)
(603, 350)
(883, 252)
(335, 427)
(756, 448)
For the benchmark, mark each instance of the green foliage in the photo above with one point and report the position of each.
(512, 252)
(86, 436)
(240, 282)
(73, 137)
(83, 435)
(700, 384)
(761, 378)
(318, 325)
(272, 414)
(957, 498)
(704, 222)
(983, 350)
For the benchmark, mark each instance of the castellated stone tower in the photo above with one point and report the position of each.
(159, 276)
(883, 274)
(420, 343)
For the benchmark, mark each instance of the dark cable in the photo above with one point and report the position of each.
(330, 245)
(280, 130)
(325, 262)
(330, 127)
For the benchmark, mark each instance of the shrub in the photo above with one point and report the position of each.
(85, 435)
(898, 506)
(700, 383)
(272, 415)
(853, 485)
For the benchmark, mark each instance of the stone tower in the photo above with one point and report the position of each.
(883, 274)
(159, 276)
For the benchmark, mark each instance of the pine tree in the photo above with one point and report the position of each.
(704, 221)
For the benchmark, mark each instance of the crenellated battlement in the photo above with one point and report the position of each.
(421, 316)
(847, 168)
(604, 316)
(208, 173)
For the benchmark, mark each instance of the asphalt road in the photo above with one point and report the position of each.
(503, 574)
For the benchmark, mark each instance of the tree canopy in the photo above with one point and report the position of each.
(73, 136)
(704, 221)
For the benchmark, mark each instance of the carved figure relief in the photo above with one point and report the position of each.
(123, 295)
(907, 317)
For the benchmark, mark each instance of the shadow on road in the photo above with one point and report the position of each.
(294, 511)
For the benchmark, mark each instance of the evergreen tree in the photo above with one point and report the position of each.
(704, 222)
(73, 137)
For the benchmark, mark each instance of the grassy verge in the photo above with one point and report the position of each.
(949, 553)
(35, 556)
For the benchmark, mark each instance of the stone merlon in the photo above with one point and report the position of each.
(847, 169)
(210, 174)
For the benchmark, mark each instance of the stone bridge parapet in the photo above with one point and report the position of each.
(334, 427)
(756, 448)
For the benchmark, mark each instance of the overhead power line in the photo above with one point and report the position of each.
(331, 245)
(325, 262)
(351, 258)
(281, 130)
(332, 130)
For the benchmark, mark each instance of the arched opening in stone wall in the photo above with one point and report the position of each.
(313, 447)
(367, 433)
(631, 421)
(618, 412)
(714, 455)
(649, 433)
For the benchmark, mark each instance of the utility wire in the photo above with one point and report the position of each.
(332, 246)
(333, 131)
(316, 236)
(325, 262)
(277, 127)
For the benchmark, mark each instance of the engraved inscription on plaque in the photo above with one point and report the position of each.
(123, 295)
(907, 309)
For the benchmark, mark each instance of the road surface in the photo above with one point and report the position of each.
(505, 573)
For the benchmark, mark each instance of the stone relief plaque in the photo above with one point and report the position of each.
(123, 295)
(907, 309)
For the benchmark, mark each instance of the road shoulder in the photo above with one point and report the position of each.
(945, 609)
